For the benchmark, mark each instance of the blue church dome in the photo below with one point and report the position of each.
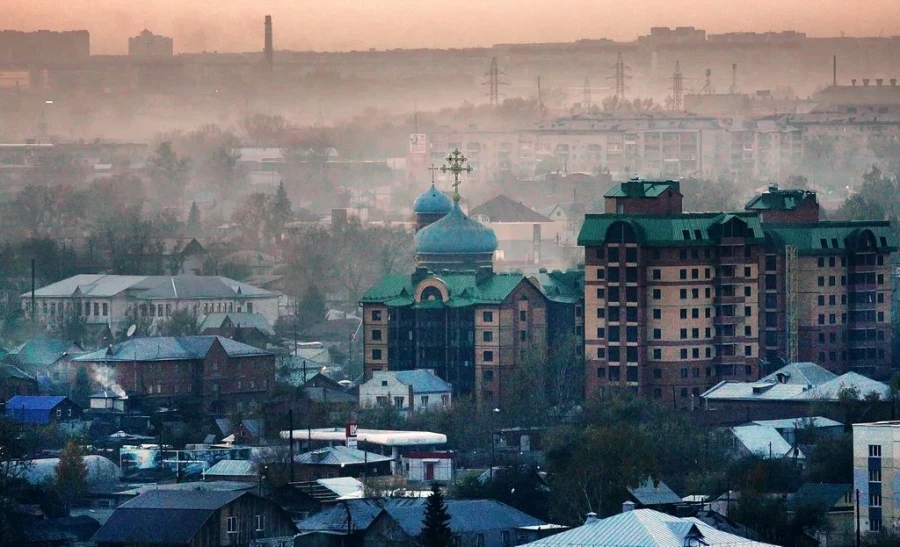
(432, 202)
(456, 234)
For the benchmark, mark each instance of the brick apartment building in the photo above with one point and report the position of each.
(676, 302)
(226, 376)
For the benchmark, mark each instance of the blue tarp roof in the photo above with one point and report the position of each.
(32, 409)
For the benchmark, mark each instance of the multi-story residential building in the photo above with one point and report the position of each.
(875, 472)
(455, 315)
(677, 302)
(222, 374)
(115, 300)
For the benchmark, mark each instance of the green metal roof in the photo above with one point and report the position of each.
(824, 238)
(779, 200)
(564, 287)
(635, 188)
(687, 229)
(397, 290)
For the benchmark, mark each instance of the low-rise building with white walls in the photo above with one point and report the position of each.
(406, 391)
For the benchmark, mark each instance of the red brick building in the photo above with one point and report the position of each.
(677, 302)
(226, 376)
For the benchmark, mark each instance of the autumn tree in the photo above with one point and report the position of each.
(168, 173)
(71, 474)
(181, 322)
(436, 522)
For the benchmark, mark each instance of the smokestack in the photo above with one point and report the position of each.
(853, 82)
(269, 50)
(865, 82)
(834, 71)
(879, 81)
(893, 82)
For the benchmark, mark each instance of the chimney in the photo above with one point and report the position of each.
(591, 518)
(893, 82)
(853, 81)
(269, 48)
(627, 506)
(879, 81)
(865, 82)
(773, 187)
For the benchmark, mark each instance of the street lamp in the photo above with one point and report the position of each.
(493, 443)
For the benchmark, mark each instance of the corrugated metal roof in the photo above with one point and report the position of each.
(168, 348)
(340, 455)
(42, 352)
(779, 200)
(831, 237)
(643, 528)
(763, 441)
(232, 468)
(797, 423)
(240, 320)
(151, 287)
(503, 209)
(819, 496)
(642, 188)
(334, 519)
(649, 493)
(806, 373)
(35, 402)
(565, 287)
(422, 381)
(466, 516)
(852, 380)
(806, 386)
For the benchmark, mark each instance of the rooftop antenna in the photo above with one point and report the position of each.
(707, 87)
(494, 82)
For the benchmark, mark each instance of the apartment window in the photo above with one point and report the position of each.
(695, 313)
(657, 294)
(682, 274)
(601, 353)
(601, 273)
(657, 354)
(657, 313)
(487, 356)
(684, 372)
(748, 330)
(614, 334)
(523, 335)
(96, 309)
(376, 315)
(232, 524)
(747, 272)
(875, 474)
(601, 333)
(376, 355)
(706, 273)
(613, 254)
(398, 402)
(695, 333)
(487, 336)
(683, 294)
(695, 273)
(631, 354)
(376, 334)
(695, 293)
(613, 276)
(821, 318)
(657, 334)
(821, 262)
(657, 274)
(630, 254)
(682, 313)
(684, 334)
(614, 294)
(487, 316)
(601, 313)
(615, 354)
(874, 450)
(821, 281)
(821, 299)
(695, 354)
(683, 353)
(874, 499)
(748, 351)
(748, 291)
(487, 375)
(601, 294)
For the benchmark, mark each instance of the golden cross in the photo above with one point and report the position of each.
(433, 170)
(456, 161)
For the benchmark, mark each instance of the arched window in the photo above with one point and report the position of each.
(431, 293)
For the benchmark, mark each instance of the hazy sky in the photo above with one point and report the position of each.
(236, 25)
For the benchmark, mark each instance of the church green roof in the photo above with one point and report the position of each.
(779, 200)
(464, 288)
(687, 229)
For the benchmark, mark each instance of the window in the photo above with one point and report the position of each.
(695, 273)
(657, 334)
(682, 294)
(58, 413)
(657, 294)
(657, 354)
(682, 274)
(232, 525)
(376, 315)
(682, 313)
(601, 353)
(487, 336)
(657, 275)
(601, 294)
(601, 333)
(821, 299)
(614, 374)
(821, 281)
(695, 354)
(96, 309)
(601, 313)
(523, 335)
(523, 315)
(487, 356)
(695, 293)
(376, 355)
(260, 523)
(683, 334)
(601, 273)
(398, 402)
(376, 334)
(874, 450)
(657, 313)
(875, 474)
(747, 272)
(748, 351)
(613, 276)
(683, 353)
(487, 375)
(613, 294)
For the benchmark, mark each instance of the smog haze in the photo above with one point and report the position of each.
(339, 25)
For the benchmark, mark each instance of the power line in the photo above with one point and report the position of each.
(677, 88)
(494, 82)
(621, 75)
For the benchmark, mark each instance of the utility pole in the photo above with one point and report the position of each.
(291, 440)
(858, 535)
(586, 98)
(733, 89)
(33, 301)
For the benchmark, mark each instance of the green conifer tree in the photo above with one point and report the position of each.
(436, 523)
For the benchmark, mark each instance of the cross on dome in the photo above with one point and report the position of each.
(456, 161)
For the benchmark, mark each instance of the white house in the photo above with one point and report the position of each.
(406, 391)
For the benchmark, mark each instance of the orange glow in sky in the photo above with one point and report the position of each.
(236, 25)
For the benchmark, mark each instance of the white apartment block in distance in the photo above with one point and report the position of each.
(876, 474)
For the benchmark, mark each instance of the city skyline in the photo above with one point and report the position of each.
(343, 25)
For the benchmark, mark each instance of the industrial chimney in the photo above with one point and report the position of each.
(879, 81)
(865, 82)
(269, 50)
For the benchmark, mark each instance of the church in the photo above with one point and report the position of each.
(454, 314)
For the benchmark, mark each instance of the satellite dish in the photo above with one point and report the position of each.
(131, 330)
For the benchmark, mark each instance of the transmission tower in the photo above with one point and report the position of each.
(586, 98)
(494, 82)
(622, 73)
(677, 88)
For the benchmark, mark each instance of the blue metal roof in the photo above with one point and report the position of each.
(168, 348)
(422, 381)
(466, 516)
(456, 233)
(32, 409)
(433, 201)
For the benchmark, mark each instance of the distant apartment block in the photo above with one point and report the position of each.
(44, 47)
(148, 45)
(677, 302)
(875, 474)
